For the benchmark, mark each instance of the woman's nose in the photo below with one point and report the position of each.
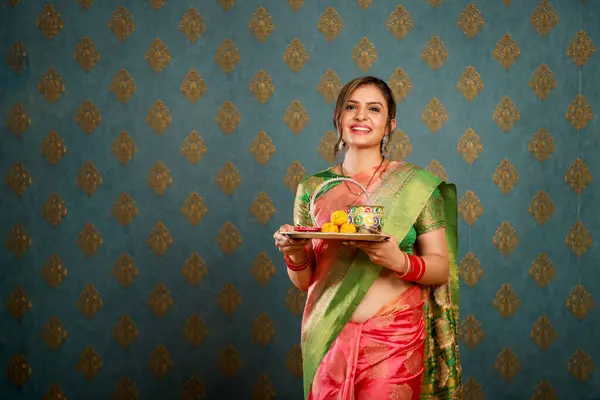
(359, 115)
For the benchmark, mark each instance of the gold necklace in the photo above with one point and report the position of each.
(370, 180)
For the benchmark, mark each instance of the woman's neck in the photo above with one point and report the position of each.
(357, 161)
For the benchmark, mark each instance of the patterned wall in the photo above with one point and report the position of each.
(149, 149)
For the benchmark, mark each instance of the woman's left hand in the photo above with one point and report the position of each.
(386, 253)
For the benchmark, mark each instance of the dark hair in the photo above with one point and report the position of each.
(347, 91)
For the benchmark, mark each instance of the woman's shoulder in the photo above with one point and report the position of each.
(320, 176)
(422, 173)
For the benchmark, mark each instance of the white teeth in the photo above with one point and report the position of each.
(360, 128)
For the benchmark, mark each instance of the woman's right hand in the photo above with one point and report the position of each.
(291, 247)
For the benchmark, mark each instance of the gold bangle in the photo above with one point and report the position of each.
(407, 266)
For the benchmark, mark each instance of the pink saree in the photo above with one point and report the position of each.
(400, 353)
(381, 358)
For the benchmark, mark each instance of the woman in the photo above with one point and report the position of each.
(380, 321)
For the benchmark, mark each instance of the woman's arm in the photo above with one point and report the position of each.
(433, 249)
(301, 279)
(298, 253)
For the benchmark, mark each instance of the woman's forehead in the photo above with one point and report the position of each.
(367, 94)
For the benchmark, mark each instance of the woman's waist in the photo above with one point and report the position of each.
(389, 299)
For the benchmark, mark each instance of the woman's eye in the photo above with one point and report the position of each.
(349, 107)
(375, 109)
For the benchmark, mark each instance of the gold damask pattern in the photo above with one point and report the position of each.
(160, 362)
(193, 87)
(399, 22)
(542, 145)
(192, 25)
(229, 238)
(471, 332)
(53, 148)
(581, 366)
(51, 86)
(262, 208)
(542, 270)
(86, 54)
(125, 270)
(400, 84)
(18, 303)
(17, 120)
(160, 300)
(229, 299)
(18, 178)
(158, 55)
(16, 58)
(543, 333)
(229, 362)
(471, 21)
(54, 271)
(544, 18)
(506, 239)
(507, 364)
(89, 363)
(330, 24)
(228, 117)
(50, 22)
(261, 24)
(18, 370)
(124, 148)
(123, 86)
(262, 148)
(364, 54)
(470, 269)
(470, 83)
(435, 53)
(121, 23)
(125, 331)
(194, 269)
(434, 115)
(296, 117)
(506, 176)
(88, 117)
(227, 56)
(54, 210)
(262, 269)
(507, 51)
(262, 87)
(90, 301)
(124, 209)
(263, 330)
(399, 146)
(176, 168)
(543, 82)
(507, 301)
(581, 48)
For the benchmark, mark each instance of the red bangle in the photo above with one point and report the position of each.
(415, 269)
(299, 267)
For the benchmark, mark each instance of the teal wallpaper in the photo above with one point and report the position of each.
(149, 149)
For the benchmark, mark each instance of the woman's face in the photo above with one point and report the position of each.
(364, 118)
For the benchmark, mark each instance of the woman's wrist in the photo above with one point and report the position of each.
(299, 261)
(414, 268)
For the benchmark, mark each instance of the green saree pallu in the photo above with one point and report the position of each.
(403, 190)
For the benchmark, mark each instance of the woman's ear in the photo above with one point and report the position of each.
(392, 126)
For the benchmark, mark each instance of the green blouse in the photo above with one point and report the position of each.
(431, 218)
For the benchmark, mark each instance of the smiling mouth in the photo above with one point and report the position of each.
(360, 130)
